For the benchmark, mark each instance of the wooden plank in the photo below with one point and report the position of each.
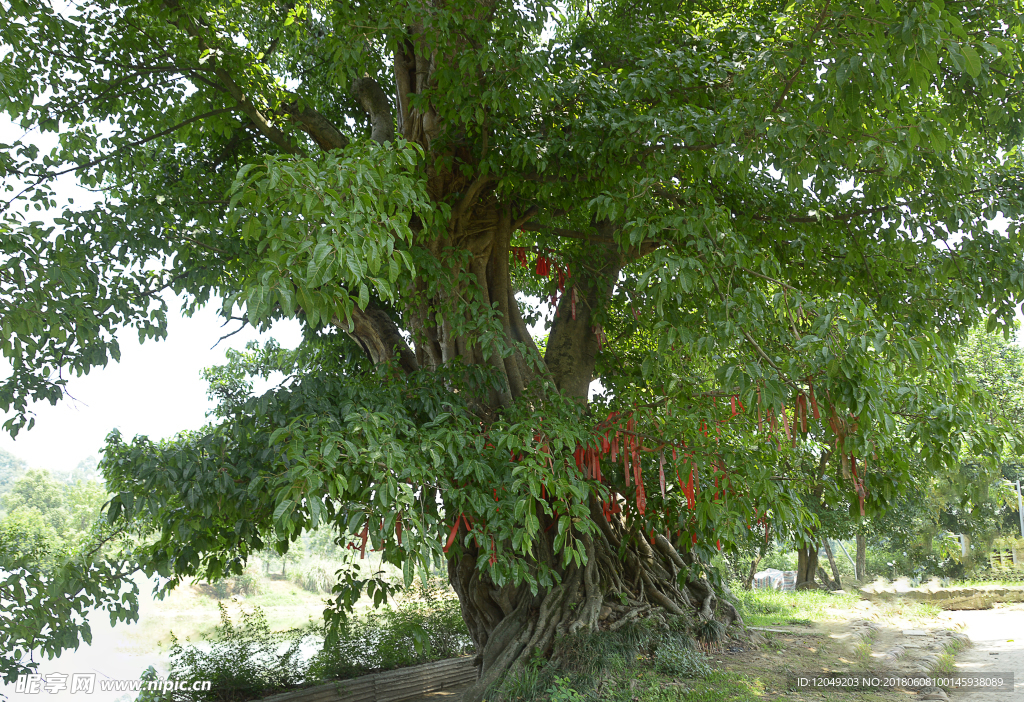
(388, 686)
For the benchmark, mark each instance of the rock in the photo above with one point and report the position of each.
(895, 653)
(915, 632)
(606, 612)
(932, 693)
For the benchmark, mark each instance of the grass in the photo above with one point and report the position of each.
(908, 610)
(862, 655)
(720, 685)
(945, 664)
(774, 608)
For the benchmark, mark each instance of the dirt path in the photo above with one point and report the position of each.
(998, 638)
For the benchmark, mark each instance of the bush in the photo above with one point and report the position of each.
(248, 584)
(243, 662)
(410, 634)
(315, 579)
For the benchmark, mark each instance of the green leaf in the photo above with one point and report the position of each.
(972, 61)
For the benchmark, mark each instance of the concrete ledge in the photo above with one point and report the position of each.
(952, 598)
(389, 686)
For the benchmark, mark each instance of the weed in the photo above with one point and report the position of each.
(956, 645)
(862, 654)
(562, 692)
(945, 664)
(392, 638)
(710, 634)
(315, 579)
(675, 658)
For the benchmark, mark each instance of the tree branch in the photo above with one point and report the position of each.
(115, 152)
(266, 128)
(377, 104)
(803, 61)
(324, 133)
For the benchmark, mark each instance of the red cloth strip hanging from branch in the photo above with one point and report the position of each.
(625, 458)
(638, 469)
(543, 266)
(661, 474)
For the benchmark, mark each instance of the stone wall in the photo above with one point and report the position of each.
(973, 597)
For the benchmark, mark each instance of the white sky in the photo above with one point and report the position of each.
(156, 389)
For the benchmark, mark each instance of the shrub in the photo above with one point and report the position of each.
(412, 633)
(710, 634)
(315, 579)
(248, 584)
(243, 662)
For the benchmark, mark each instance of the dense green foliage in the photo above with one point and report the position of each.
(766, 225)
(59, 558)
(245, 660)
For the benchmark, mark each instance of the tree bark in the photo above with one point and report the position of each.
(862, 555)
(510, 625)
(807, 567)
(748, 582)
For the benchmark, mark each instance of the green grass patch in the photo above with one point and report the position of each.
(775, 608)
(719, 686)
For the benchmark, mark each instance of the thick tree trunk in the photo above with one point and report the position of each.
(862, 556)
(624, 577)
(510, 625)
(807, 567)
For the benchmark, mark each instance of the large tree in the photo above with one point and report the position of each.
(750, 216)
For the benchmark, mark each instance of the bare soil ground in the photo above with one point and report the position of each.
(886, 638)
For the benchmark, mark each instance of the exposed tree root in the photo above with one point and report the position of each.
(617, 585)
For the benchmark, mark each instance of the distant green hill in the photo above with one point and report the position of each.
(11, 467)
